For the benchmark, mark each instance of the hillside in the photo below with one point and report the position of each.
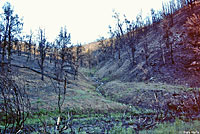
(156, 70)
(91, 89)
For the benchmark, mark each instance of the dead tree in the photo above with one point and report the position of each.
(145, 44)
(63, 58)
(154, 18)
(168, 37)
(104, 52)
(131, 39)
(118, 34)
(12, 26)
(78, 56)
(168, 10)
(168, 13)
(65, 53)
(112, 45)
(43, 45)
(14, 105)
(51, 52)
(60, 90)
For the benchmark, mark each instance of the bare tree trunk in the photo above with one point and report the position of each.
(4, 49)
(3, 55)
(42, 69)
(42, 49)
(2, 59)
(9, 45)
(5, 41)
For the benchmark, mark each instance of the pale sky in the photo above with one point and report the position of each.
(86, 20)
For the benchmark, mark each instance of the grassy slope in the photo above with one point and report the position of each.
(164, 79)
(83, 97)
(81, 94)
(140, 93)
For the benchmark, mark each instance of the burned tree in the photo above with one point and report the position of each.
(11, 26)
(168, 13)
(168, 37)
(145, 44)
(155, 18)
(168, 10)
(43, 45)
(112, 44)
(77, 59)
(14, 105)
(63, 57)
(65, 54)
(131, 39)
(118, 33)
(51, 52)
(80, 50)
(103, 53)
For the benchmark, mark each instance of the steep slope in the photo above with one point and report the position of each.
(156, 70)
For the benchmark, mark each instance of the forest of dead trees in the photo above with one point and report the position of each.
(126, 34)
(123, 37)
(67, 58)
(60, 52)
(64, 57)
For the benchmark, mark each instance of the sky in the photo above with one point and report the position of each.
(85, 20)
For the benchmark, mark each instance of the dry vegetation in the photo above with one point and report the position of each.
(81, 94)
(111, 86)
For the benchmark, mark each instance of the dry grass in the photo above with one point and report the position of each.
(140, 93)
(119, 85)
(81, 94)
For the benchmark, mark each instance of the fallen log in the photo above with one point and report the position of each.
(36, 71)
